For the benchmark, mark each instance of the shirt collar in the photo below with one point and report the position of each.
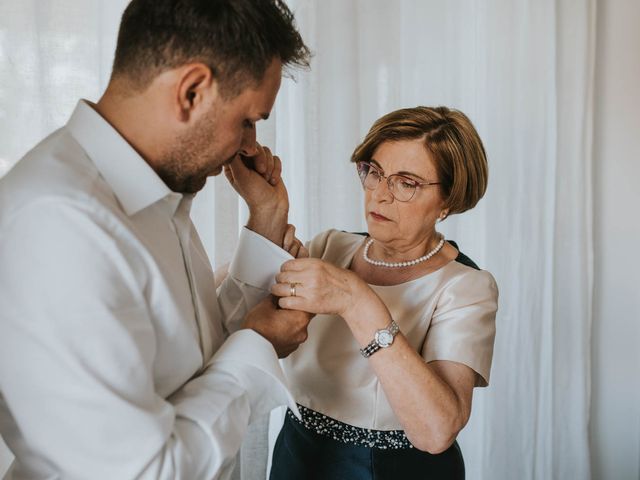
(135, 184)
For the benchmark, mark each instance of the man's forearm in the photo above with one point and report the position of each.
(270, 223)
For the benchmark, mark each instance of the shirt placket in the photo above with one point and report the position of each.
(182, 224)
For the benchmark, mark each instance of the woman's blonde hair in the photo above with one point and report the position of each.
(452, 140)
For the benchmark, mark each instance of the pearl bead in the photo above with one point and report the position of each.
(408, 263)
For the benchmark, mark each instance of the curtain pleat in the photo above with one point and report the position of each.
(523, 72)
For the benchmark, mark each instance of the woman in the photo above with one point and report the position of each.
(406, 322)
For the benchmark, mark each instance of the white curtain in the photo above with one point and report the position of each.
(523, 72)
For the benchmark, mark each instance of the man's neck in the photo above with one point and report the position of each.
(133, 119)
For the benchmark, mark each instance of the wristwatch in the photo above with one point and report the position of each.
(382, 339)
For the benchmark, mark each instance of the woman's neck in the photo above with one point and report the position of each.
(383, 276)
(399, 251)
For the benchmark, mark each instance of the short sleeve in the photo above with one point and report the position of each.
(463, 324)
(335, 247)
(318, 245)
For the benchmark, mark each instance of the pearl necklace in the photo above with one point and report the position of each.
(409, 263)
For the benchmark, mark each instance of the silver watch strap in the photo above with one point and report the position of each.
(374, 346)
(370, 349)
(393, 328)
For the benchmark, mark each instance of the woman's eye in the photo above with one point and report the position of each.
(248, 124)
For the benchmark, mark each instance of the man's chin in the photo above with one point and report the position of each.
(194, 185)
(218, 170)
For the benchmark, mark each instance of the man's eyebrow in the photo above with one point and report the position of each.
(265, 116)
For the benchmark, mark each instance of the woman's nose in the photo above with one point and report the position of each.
(383, 192)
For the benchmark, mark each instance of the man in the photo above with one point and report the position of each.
(118, 359)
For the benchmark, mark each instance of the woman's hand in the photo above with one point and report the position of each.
(293, 245)
(319, 287)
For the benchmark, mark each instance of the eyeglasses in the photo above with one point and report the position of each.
(402, 188)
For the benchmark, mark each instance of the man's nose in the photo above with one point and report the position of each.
(249, 147)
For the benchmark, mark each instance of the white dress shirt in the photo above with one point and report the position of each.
(118, 358)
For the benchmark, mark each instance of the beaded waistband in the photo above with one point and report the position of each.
(345, 433)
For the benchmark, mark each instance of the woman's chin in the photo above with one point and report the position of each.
(378, 231)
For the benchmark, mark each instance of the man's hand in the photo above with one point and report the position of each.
(257, 180)
(293, 245)
(285, 329)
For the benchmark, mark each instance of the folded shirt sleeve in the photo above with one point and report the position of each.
(251, 274)
(77, 360)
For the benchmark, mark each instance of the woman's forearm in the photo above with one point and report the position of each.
(431, 411)
(431, 407)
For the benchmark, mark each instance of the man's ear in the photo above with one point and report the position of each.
(194, 90)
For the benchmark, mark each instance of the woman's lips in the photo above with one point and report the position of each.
(380, 218)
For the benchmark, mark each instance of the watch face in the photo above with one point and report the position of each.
(384, 338)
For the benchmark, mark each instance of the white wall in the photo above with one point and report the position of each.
(615, 408)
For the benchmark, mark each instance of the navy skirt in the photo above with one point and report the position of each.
(302, 454)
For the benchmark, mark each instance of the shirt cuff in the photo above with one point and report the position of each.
(250, 356)
(257, 260)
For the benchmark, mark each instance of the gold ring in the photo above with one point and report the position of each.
(292, 289)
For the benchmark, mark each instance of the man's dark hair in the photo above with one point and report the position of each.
(237, 39)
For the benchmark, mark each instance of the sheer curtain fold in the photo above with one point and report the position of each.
(573, 238)
(522, 71)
